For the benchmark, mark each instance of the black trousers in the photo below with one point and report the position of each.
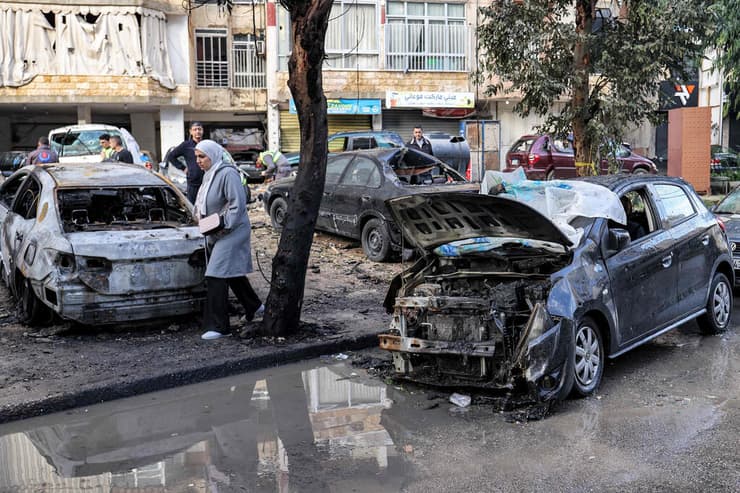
(192, 192)
(216, 313)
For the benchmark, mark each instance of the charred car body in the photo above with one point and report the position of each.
(357, 185)
(504, 299)
(99, 243)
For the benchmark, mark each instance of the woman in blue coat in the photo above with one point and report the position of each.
(229, 250)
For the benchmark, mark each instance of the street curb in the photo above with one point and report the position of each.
(118, 390)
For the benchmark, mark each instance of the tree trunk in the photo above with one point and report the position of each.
(582, 63)
(309, 21)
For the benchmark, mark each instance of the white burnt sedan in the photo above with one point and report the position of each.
(99, 243)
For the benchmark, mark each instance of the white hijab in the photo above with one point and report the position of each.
(215, 153)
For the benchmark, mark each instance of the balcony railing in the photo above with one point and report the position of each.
(425, 47)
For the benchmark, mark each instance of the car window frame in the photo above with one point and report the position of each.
(331, 160)
(662, 211)
(22, 177)
(352, 163)
(25, 186)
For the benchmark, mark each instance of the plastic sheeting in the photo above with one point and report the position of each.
(559, 200)
(115, 44)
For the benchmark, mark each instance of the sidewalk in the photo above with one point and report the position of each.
(54, 369)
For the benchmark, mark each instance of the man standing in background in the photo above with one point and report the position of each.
(420, 142)
(186, 150)
(43, 153)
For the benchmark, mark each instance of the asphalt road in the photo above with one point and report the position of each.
(666, 418)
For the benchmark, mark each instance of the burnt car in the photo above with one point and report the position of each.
(728, 211)
(357, 185)
(504, 298)
(545, 157)
(99, 243)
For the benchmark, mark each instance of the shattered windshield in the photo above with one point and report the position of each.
(121, 208)
(417, 168)
(80, 143)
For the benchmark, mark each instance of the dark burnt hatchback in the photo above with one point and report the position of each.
(357, 185)
(505, 299)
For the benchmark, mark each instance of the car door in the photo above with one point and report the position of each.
(692, 236)
(643, 277)
(18, 223)
(335, 166)
(8, 192)
(354, 194)
(563, 158)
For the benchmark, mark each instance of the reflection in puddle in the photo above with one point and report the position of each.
(283, 430)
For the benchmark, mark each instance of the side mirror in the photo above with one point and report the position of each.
(617, 240)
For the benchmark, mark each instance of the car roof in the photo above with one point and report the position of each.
(105, 174)
(83, 127)
(363, 132)
(620, 180)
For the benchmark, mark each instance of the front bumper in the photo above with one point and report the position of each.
(77, 302)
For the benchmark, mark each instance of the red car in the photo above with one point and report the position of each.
(546, 158)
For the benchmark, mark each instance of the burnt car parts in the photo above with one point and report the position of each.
(99, 243)
(500, 300)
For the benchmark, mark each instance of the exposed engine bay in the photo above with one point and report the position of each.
(470, 320)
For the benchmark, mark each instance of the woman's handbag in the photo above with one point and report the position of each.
(211, 224)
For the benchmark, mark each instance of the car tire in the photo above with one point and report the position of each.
(719, 306)
(376, 242)
(639, 171)
(550, 175)
(588, 358)
(33, 310)
(278, 213)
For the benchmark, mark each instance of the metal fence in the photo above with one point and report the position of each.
(249, 66)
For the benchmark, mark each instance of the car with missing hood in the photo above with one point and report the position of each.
(357, 185)
(535, 288)
(99, 243)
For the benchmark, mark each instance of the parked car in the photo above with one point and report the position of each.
(453, 150)
(99, 243)
(723, 158)
(728, 211)
(11, 161)
(358, 184)
(545, 157)
(504, 299)
(81, 143)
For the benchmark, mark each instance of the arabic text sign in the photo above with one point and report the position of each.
(348, 106)
(419, 99)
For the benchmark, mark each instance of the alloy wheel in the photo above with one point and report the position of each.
(721, 304)
(588, 355)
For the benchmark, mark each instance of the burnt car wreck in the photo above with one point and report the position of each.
(99, 243)
(505, 299)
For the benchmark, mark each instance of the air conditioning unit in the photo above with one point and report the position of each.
(259, 47)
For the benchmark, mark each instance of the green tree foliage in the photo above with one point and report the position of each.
(604, 65)
(728, 46)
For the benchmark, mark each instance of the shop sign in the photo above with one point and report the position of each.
(421, 99)
(347, 106)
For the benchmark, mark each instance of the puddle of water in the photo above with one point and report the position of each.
(298, 428)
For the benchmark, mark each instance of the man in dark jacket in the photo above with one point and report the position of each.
(186, 150)
(43, 153)
(420, 142)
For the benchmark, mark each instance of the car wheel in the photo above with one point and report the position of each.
(278, 213)
(375, 240)
(588, 354)
(639, 171)
(33, 310)
(719, 306)
(550, 175)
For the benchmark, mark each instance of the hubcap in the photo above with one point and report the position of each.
(374, 240)
(588, 355)
(280, 215)
(721, 304)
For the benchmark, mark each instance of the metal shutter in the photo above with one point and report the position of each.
(404, 121)
(290, 136)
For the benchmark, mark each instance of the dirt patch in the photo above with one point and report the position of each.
(343, 301)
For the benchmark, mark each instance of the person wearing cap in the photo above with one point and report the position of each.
(186, 150)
